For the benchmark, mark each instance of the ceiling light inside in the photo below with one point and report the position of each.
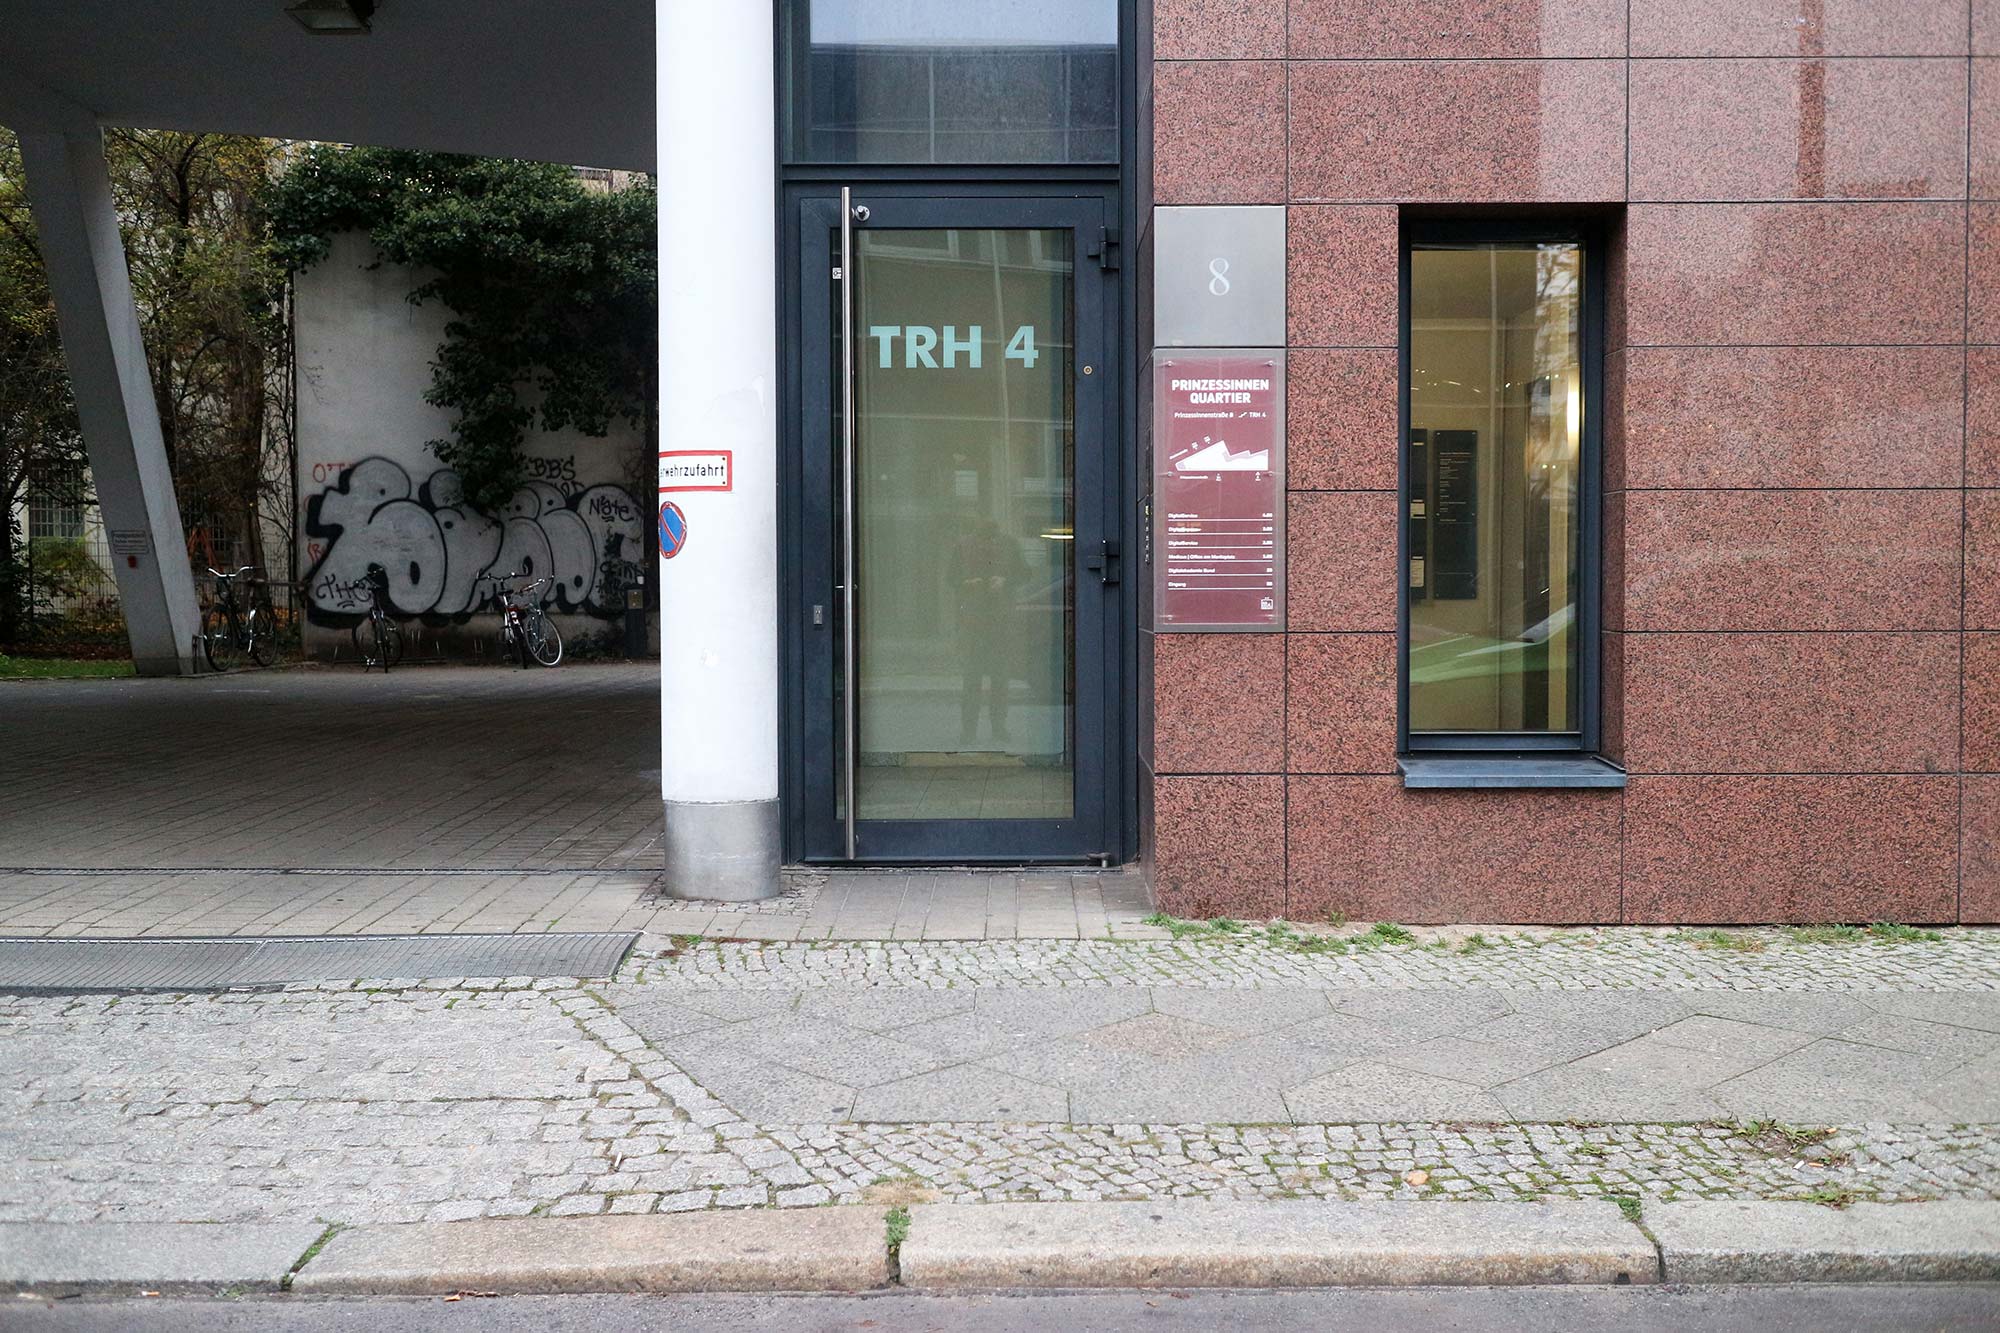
(333, 18)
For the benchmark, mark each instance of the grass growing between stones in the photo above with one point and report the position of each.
(1729, 941)
(1881, 932)
(1282, 935)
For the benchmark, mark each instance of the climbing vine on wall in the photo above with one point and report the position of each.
(552, 289)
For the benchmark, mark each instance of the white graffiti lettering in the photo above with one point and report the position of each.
(444, 559)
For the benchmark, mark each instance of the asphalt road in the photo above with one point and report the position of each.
(1628, 1309)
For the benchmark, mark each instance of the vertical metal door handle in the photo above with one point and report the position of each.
(849, 691)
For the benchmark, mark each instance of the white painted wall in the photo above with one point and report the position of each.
(371, 491)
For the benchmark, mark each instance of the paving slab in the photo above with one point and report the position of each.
(818, 1249)
(1283, 1244)
(126, 1257)
(1951, 1240)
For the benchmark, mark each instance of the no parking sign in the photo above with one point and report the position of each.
(673, 529)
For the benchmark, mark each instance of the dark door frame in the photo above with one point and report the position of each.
(1099, 828)
(1130, 181)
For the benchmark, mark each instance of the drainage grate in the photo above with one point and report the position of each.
(217, 964)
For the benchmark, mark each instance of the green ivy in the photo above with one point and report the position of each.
(552, 289)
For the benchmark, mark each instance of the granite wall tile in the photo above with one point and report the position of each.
(1372, 850)
(1790, 416)
(1982, 559)
(1979, 855)
(1983, 270)
(1788, 273)
(1340, 569)
(1798, 27)
(1613, 583)
(1340, 709)
(1219, 703)
(1613, 432)
(1791, 560)
(1791, 848)
(1791, 703)
(1611, 683)
(1342, 263)
(1340, 425)
(1985, 129)
(1218, 29)
(1219, 846)
(1353, 29)
(1463, 131)
(1219, 132)
(1982, 703)
(1982, 416)
(1798, 129)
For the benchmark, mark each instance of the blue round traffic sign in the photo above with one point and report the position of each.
(673, 529)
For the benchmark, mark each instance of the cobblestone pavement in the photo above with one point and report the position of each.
(448, 1099)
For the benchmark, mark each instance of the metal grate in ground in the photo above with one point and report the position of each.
(217, 964)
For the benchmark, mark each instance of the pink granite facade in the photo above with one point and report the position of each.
(1801, 451)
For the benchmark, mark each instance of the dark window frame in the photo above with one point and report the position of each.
(1418, 232)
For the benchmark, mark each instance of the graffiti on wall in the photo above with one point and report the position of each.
(445, 559)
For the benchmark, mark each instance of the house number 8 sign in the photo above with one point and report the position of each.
(1219, 277)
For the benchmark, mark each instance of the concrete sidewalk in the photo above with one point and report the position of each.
(1030, 1246)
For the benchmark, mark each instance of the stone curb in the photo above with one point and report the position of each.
(125, 1258)
(1289, 1244)
(816, 1249)
(1945, 1241)
(1185, 1243)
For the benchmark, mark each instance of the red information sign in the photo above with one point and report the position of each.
(1218, 492)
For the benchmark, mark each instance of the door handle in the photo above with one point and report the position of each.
(1105, 563)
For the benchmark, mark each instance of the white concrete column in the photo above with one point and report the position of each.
(718, 392)
(69, 189)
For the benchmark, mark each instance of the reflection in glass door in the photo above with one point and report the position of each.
(963, 424)
(964, 485)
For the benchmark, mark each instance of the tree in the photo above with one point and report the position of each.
(209, 293)
(39, 442)
(551, 288)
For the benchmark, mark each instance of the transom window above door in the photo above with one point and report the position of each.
(951, 81)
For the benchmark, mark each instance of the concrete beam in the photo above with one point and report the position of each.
(69, 188)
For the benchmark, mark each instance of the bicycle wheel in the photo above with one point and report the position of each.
(392, 643)
(258, 631)
(371, 642)
(543, 640)
(218, 640)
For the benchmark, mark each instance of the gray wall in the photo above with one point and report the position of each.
(371, 491)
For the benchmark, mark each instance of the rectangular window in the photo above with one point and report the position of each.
(1499, 492)
(952, 81)
(56, 504)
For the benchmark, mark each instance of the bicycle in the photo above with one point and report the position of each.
(230, 632)
(378, 640)
(524, 630)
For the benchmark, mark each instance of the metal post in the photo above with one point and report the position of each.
(849, 702)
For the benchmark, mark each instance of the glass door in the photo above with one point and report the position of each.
(955, 440)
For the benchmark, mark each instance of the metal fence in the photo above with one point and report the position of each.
(72, 607)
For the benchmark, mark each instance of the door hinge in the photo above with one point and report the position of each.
(1105, 563)
(1105, 252)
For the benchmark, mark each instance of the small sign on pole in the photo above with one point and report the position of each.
(673, 529)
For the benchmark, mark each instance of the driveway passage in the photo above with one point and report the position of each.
(425, 767)
(717, 1075)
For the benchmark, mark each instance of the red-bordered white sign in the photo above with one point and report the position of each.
(696, 470)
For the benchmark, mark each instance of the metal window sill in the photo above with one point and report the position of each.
(1464, 770)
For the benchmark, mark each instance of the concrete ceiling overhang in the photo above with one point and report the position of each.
(557, 80)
